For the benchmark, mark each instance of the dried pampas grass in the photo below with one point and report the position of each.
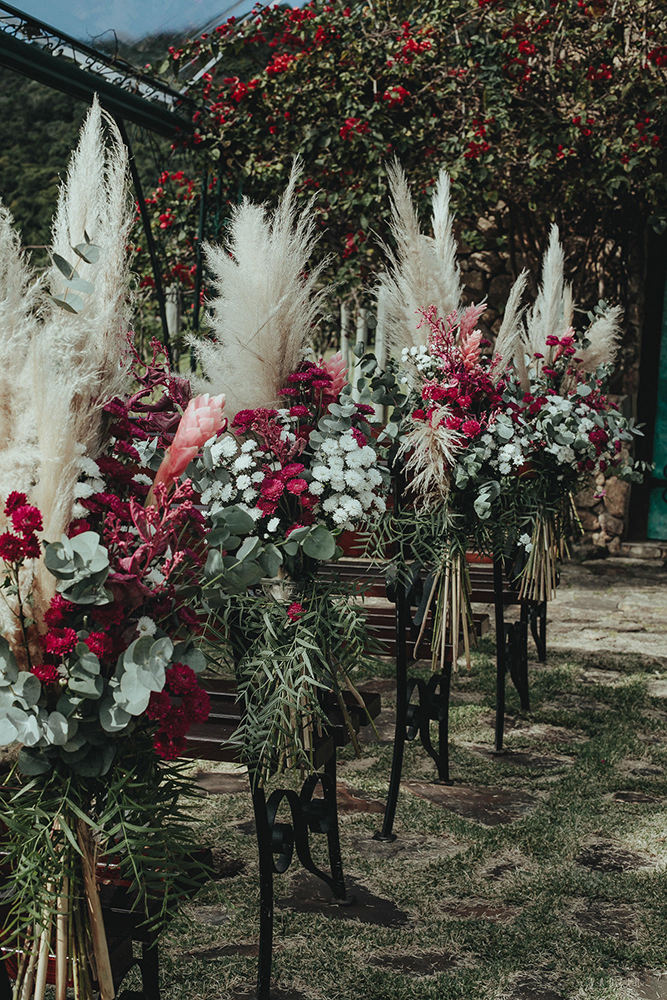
(59, 368)
(432, 449)
(266, 307)
(80, 360)
(423, 270)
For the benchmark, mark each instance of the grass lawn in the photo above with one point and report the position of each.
(565, 898)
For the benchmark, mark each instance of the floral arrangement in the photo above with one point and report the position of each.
(282, 484)
(494, 445)
(297, 465)
(101, 551)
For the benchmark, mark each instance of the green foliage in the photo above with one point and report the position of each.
(553, 109)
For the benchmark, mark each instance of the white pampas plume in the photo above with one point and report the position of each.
(17, 301)
(79, 360)
(432, 450)
(423, 270)
(604, 334)
(266, 307)
(547, 317)
(508, 341)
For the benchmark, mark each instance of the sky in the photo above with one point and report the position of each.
(130, 19)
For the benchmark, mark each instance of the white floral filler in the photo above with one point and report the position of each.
(305, 468)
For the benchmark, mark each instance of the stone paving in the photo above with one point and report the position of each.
(613, 605)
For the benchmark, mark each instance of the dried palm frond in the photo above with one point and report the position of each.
(423, 270)
(266, 307)
(432, 450)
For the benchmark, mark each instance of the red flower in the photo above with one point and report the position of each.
(60, 641)
(181, 679)
(471, 428)
(47, 673)
(57, 611)
(14, 501)
(100, 644)
(272, 489)
(295, 611)
(11, 547)
(297, 486)
(26, 519)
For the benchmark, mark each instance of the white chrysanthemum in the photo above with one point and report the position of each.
(348, 443)
(255, 513)
(242, 462)
(330, 446)
(257, 477)
(141, 478)
(249, 496)
(243, 481)
(146, 626)
(83, 490)
(273, 524)
(354, 479)
(78, 510)
(225, 493)
(340, 516)
(248, 446)
(322, 473)
(89, 467)
(330, 504)
(224, 447)
(316, 488)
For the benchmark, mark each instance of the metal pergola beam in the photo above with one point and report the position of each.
(64, 76)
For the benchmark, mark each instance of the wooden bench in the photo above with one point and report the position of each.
(279, 837)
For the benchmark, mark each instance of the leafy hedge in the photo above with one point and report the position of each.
(542, 109)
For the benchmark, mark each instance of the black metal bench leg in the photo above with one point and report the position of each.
(386, 834)
(265, 891)
(443, 726)
(501, 663)
(333, 835)
(150, 969)
(5, 985)
(538, 627)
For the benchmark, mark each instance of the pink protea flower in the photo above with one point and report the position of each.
(337, 368)
(202, 419)
(470, 349)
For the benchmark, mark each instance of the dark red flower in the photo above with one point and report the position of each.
(11, 547)
(295, 611)
(100, 644)
(47, 673)
(60, 641)
(14, 501)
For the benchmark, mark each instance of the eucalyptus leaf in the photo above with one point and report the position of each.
(320, 544)
(33, 762)
(63, 265)
(88, 252)
(79, 284)
(238, 521)
(87, 686)
(28, 688)
(72, 305)
(187, 653)
(57, 729)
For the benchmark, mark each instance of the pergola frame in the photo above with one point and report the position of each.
(34, 49)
